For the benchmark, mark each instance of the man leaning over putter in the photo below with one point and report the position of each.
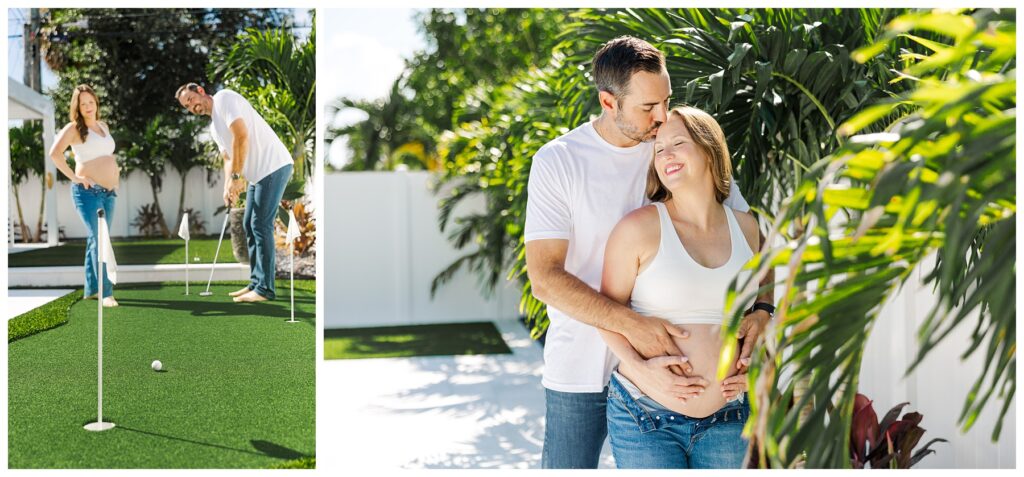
(252, 153)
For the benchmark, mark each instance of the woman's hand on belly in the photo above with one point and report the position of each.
(655, 375)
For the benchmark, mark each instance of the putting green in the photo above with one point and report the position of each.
(237, 390)
(129, 252)
(450, 339)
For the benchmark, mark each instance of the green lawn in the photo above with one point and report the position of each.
(237, 390)
(418, 340)
(129, 252)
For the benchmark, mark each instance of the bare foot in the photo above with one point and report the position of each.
(240, 292)
(109, 302)
(251, 297)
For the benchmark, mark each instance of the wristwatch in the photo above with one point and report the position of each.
(235, 176)
(764, 306)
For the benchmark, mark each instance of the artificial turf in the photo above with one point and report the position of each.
(237, 389)
(417, 340)
(129, 252)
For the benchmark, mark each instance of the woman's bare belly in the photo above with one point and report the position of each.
(702, 348)
(102, 171)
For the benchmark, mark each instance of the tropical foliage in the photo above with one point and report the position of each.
(890, 443)
(26, 146)
(925, 179)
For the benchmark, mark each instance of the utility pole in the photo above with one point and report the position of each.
(33, 60)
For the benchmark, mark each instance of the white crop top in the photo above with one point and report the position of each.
(677, 288)
(94, 146)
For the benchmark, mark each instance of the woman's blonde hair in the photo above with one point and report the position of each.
(708, 136)
(76, 115)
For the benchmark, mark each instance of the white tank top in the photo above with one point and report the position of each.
(94, 146)
(677, 288)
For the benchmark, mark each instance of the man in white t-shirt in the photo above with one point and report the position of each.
(252, 154)
(581, 184)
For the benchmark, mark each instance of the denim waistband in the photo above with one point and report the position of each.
(650, 415)
(94, 189)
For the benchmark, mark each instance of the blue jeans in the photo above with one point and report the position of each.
(574, 430)
(646, 435)
(87, 202)
(261, 202)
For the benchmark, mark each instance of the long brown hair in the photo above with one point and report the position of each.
(709, 138)
(76, 115)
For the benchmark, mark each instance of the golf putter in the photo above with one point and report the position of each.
(216, 254)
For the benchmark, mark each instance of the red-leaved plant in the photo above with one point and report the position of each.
(889, 444)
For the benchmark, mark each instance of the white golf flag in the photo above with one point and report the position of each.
(107, 251)
(293, 228)
(183, 230)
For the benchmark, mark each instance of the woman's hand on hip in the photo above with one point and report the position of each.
(85, 181)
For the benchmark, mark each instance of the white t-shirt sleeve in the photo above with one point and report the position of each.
(735, 199)
(548, 215)
(231, 109)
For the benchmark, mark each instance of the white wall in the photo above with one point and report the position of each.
(938, 387)
(382, 248)
(132, 194)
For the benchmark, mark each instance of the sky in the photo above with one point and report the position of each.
(362, 52)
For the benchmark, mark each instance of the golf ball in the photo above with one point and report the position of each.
(157, 365)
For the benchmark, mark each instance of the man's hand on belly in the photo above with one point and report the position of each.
(652, 337)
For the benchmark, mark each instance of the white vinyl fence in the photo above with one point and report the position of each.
(133, 193)
(938, 387)
(382, 247)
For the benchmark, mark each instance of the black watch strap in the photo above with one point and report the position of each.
(764, 306)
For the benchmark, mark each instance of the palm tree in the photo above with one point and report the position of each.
(148, 154)
(378, 141)
(26, 158)
(187, 152)
(277, 74)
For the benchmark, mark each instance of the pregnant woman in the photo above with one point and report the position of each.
(95, 178)
(675, 259)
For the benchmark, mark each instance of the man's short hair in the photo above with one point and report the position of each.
(194, 87)
(617, 61)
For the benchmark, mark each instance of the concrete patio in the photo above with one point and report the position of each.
(453, 412)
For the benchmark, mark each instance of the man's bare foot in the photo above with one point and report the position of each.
(90, 297)
(241, 292)
(109, 302)
(251, 297)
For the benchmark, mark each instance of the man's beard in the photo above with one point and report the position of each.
(635, 134)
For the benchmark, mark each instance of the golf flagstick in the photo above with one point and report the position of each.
(224, 227)
(293, 233)
(104, 239)
(183, 233)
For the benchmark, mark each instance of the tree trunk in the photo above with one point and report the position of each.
(239, 246)
(26, 234)
(156, 205)
(42, 209)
